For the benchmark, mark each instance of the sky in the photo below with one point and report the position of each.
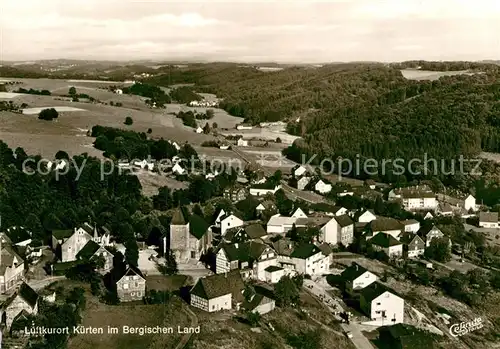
(250, 31)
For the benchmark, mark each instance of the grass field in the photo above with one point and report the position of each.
(413, 74)
(165, 283)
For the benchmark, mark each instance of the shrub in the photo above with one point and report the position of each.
(48, 114)
(128, 121)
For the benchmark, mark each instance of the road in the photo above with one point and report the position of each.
(39, 284)
(332, 304)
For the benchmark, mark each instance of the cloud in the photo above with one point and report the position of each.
(271, 30)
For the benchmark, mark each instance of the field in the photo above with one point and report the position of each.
(413, 74)
(165, 283)
(69, 131)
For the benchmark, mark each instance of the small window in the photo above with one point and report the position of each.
(125, 286)
(378, 303)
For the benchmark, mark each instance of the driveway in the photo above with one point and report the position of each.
(319, 289)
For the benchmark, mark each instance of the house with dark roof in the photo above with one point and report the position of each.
(250, 257)
(488, 219)
(410, 225)
(12, 267)
(429, 232)
(218, 292)
(365, 216)
(388, 244)
(24, 299)
(93, 250)
(274, 274)
(339, 229)
(444, 209)
(190, 236)
(308, 259)
(403, 336)
(381, 304)
(413, 245)
(355, 278)
(67, 243)
(131, 286)
(261, 189)
(386, 225)
(229, 221)
(259, 303)
(249, 232)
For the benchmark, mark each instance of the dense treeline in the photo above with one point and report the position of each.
(61, 201)
(130, 145)
(184, 94)
(154, 93)
(33, 92)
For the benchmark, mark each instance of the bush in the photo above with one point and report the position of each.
(128, 121)
(48, 114)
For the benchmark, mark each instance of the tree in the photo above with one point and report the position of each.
(253, 318)
(72, 91)
(308, 339)
(287, 292)
(214, 125)
(206, 128)
(210, 114)
(170, 266)
(128, 121)
(62, 155)
(150, 131)
(48, 114)
(439, 249)
(278, 140)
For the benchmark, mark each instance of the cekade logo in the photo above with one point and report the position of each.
(465, 327)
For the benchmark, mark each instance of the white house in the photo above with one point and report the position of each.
(470, 203)
(322, 187)
(242, 142)
(415, 198)
(302, 182)
(263, 189)
(411, 225)
(177, 169)
(299, 213)
(339, 211)
(413, 246)
(273, 274)
(428, 215)
(176, 146)
(381, 304)
(339, 229)
(228, 222)
(367, 217)
(199, 130)
(279, 224)
(385, 225)
(299, 171)
(388, 244)
(355, 278)
(218, 292)
(144, 164)
(488, 219)
(310, 260)
(244, 127)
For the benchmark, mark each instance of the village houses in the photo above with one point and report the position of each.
(413, 245)
(12, 268)
(24, 301)
(429, 232)
(322, 187)
(308, 259)
(235, 193)
(229, 221)
(388, 244)
(366, 216)
(386, 225)
(410, 225)
(279, 224)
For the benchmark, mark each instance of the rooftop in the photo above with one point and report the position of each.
(384, 240)
(217, 285)
(488, 217)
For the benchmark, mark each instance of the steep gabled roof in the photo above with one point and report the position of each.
(423, 231)
(408, 237)
(255, 231)
(62, 234)
(218, 285)
(344, 220)
(352, 272)
(385, 224)
(305, 251)
(374, 290)
(132, 271)
(384, 240)
(197, 226)
(243, 251)
(88, 250)
(490, 217)
(178, 217)
(28, 294)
